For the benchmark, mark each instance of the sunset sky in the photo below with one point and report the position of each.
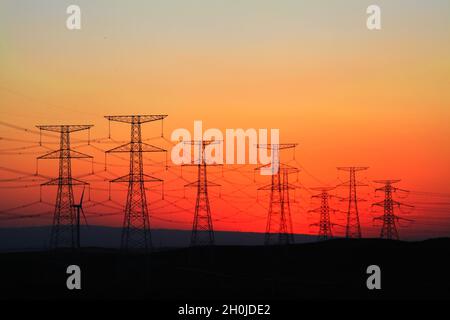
(347, 95)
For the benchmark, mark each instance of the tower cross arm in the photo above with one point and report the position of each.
(394, 202)
(357, 199)
(64, 181)
(202, 142)
(378, 204)
(401, 204)
(282, 167)
(357, 183)
(137, 118)
(197, 164)
(388, 181)
(198, 183)
(396, 217)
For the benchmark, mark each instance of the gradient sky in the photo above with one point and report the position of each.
(347, 95)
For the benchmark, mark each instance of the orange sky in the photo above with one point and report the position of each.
(348, 96)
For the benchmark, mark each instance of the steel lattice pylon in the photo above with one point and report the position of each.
(202, 226)
(353, 227)
(325, 225)
(389, 218)
(279, 229)
(136, 226)
(63, 233)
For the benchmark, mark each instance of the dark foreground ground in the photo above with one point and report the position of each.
(334, 269)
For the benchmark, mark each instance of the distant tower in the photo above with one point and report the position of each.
(202, 226)
(279, 229)
(325, 225)
(64, 231)
(353, 228)
(136, 226)
(389, 218)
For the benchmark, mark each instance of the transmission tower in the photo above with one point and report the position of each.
(279, 228)
(64, 233)
(136, 227)
(353, 227)
(325, 225)
(389, 218)
(202, 226)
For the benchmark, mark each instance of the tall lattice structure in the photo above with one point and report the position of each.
(389, 229)
(136, 226)
(353, 227)
(64, 231)
(279, 229)
(325, 225)
(202, 226)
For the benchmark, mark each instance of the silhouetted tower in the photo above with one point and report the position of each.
(202, 226)
(389, 218)
(136, 226)
(353, 227)
(64, 232)
(325, 225)
(279, 229)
